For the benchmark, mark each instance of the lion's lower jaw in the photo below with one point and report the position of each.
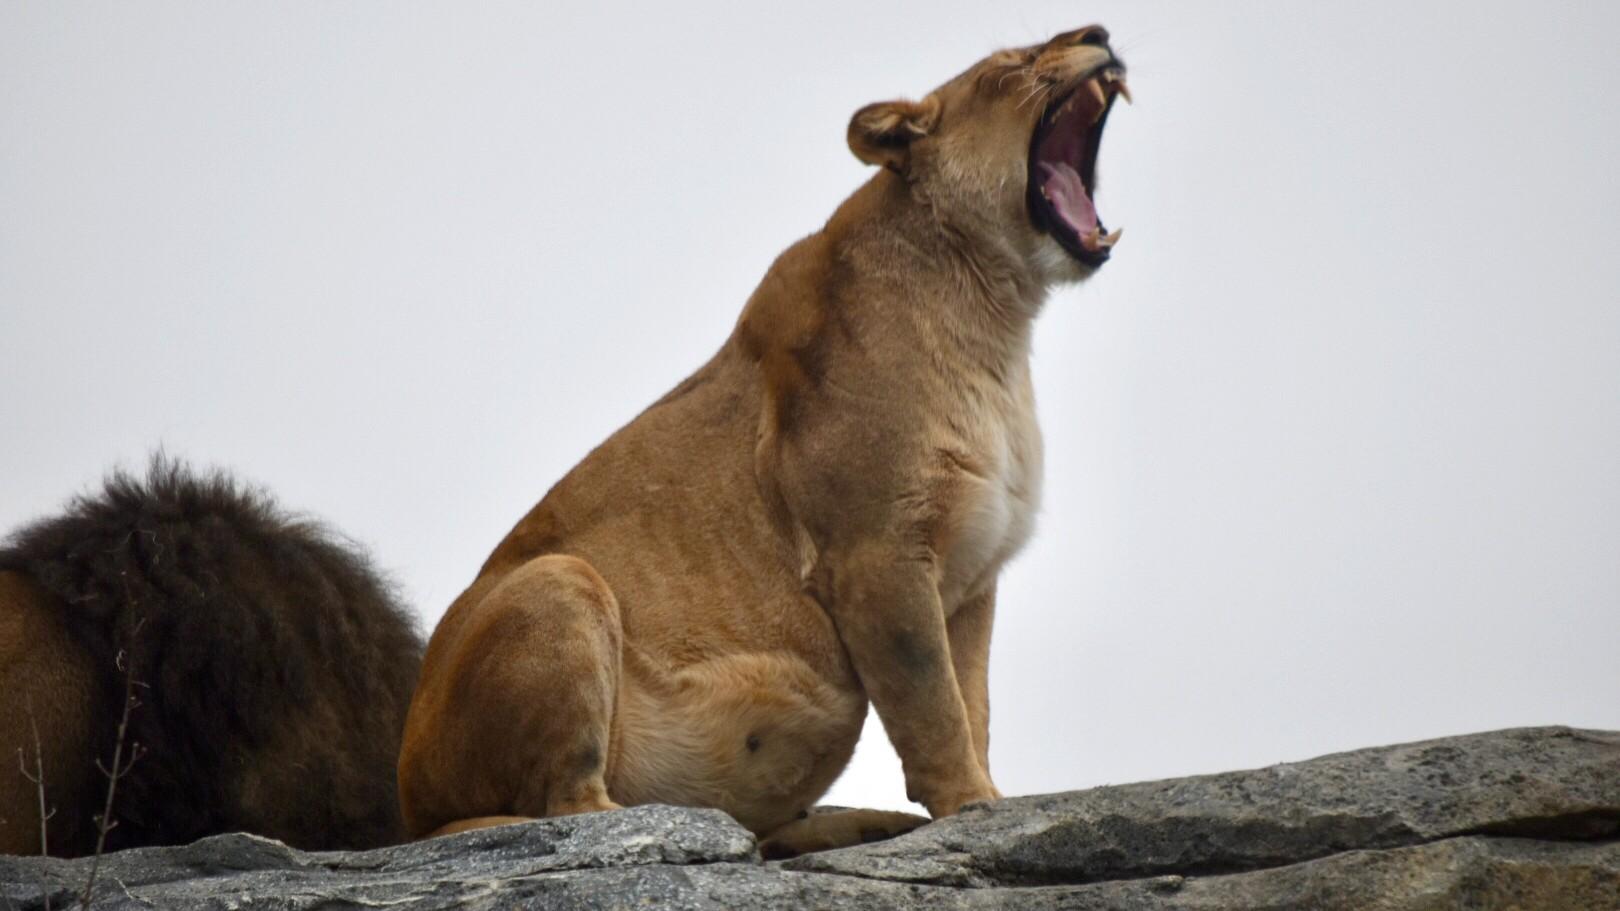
(1056, 267)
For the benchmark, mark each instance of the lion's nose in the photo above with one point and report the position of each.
(1091, 34)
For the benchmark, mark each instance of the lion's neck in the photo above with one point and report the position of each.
(887, 290)
(975, 289)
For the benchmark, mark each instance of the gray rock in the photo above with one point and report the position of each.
(1465, 874)
(244, 871)
(1546, 782)
(1523, 819)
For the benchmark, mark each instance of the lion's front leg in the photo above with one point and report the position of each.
(968, 629)
(888, 613)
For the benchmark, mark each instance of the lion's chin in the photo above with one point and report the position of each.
(1062, 177)
(1055, 265)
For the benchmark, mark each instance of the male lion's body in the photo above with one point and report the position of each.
(699, 612)
(271, 666)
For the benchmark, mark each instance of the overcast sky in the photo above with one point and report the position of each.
(1333, 444)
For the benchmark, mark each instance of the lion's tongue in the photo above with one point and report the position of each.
(1062, 186)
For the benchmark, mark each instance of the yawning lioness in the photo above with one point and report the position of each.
(699, 612)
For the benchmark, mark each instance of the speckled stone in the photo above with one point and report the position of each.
(1524, 819)
(1544, 782)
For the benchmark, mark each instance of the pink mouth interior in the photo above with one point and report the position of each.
(1067, 193)
(1060, 158)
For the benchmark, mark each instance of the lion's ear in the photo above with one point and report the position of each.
(882, 133)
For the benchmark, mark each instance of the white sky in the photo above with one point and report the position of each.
(1333, 443)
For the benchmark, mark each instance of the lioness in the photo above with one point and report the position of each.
(698, 613)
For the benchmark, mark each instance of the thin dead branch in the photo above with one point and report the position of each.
(38, 778)
(121, 764)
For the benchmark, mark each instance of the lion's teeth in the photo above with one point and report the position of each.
(1112, 237)
(1116, 78)
(1096, 91)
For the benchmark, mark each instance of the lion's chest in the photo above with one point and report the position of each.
(996, 490)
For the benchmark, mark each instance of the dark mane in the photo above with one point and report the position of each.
(238, 618)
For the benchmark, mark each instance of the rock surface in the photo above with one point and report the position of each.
(1520, 819)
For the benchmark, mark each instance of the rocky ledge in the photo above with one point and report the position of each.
(1520, 819)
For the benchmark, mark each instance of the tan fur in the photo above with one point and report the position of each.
(826, 829)
(700, 611)
(481, 822)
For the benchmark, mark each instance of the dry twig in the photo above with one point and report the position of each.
(119, 768)
(38, 778)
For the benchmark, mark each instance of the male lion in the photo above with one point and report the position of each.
(271, 666)
(698, 613)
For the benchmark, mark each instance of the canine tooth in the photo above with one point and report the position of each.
(1096, 91)
(1115, 77)
(1112, 237)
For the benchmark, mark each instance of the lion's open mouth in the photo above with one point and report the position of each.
(1063, 166)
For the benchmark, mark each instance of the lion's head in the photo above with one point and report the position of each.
(1006, 152)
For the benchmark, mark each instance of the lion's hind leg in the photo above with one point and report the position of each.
(513, 717)
(477, 822)
(827, 829)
